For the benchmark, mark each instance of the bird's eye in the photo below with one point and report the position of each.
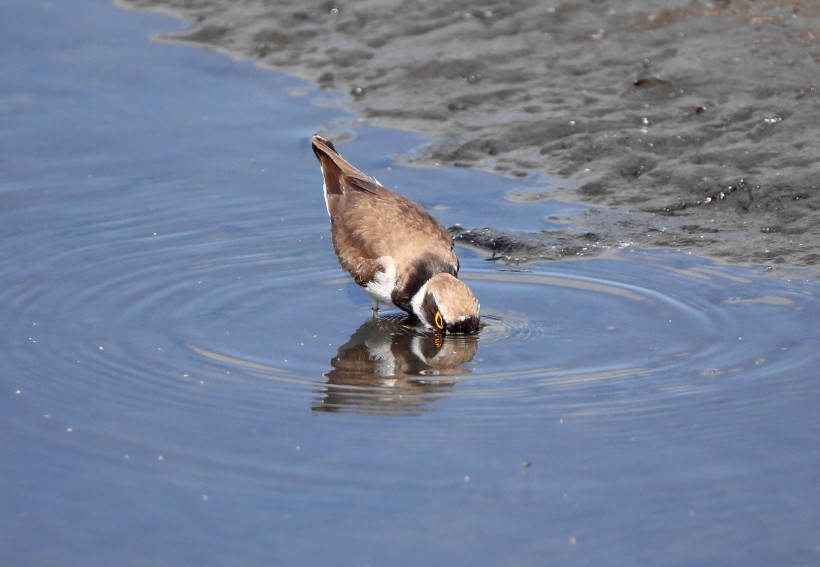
(439, 320)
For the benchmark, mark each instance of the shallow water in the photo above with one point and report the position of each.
(189, 378)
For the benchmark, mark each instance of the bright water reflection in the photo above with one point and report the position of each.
(176, 328)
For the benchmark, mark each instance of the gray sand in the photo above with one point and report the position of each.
(693, 125)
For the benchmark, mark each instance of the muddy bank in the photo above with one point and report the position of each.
(692, 125)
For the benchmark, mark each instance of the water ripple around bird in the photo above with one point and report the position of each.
(165, 316)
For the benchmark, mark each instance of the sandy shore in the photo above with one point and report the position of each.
(693, 125)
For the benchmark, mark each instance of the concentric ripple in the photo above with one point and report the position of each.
(158, 315)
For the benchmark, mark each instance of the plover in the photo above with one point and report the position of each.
(393, 248)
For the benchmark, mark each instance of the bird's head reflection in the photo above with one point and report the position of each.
(390, 366)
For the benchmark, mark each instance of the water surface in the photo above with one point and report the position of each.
(189, 378)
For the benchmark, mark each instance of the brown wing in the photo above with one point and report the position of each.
(369, 221)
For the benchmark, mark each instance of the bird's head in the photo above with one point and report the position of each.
(446, 304)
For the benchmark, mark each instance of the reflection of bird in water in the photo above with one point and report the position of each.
(390, 367)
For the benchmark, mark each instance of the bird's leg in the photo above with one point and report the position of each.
(375, 308)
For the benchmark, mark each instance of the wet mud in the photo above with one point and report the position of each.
(692, 125)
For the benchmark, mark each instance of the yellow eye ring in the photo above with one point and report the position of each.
(439, 320)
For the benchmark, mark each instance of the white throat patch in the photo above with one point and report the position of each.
(416, 302)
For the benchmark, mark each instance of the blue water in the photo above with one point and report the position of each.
(188, 378)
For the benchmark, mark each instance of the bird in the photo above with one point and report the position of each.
(394, 249)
